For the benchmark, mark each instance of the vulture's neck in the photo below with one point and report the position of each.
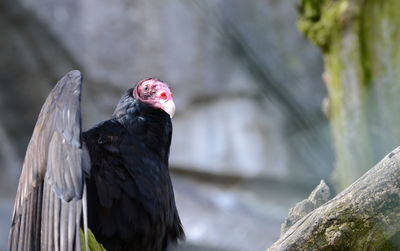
(152, 125)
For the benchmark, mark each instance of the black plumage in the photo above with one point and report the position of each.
(118, 170)
(131, 202)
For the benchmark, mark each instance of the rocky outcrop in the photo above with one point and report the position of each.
(364, 216)
(318, 196)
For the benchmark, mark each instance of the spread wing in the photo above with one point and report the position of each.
(51, 192)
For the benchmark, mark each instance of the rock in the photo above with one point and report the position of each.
(229, 214)
(6, 207)
(365, 214)
(318, 196)
(10, 162)
(32, 62)
(230, 140)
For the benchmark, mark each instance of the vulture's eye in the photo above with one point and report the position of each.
(146, 88)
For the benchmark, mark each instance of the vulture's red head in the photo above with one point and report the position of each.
(156, 94)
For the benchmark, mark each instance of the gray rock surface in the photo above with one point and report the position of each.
(318, 196)
(31, 62)
(221, 132)
(6, 207)
(232, 215)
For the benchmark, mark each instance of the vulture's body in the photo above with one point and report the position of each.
(128, 163)
(118, 170)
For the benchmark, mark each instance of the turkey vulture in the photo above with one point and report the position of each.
(112, 179)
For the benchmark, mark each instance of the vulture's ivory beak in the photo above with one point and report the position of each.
(169, 107)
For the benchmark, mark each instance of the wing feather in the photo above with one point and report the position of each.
(45, 224)
(48, 204)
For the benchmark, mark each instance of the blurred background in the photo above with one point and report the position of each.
(250, 139)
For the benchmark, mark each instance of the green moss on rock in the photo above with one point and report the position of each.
(321, 20)
(359, 40)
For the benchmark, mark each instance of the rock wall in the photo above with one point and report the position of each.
(31, 62)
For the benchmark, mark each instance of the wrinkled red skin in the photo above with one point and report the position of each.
(153, 92)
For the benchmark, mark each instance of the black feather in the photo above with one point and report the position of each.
(131, 203)
(50, 188)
